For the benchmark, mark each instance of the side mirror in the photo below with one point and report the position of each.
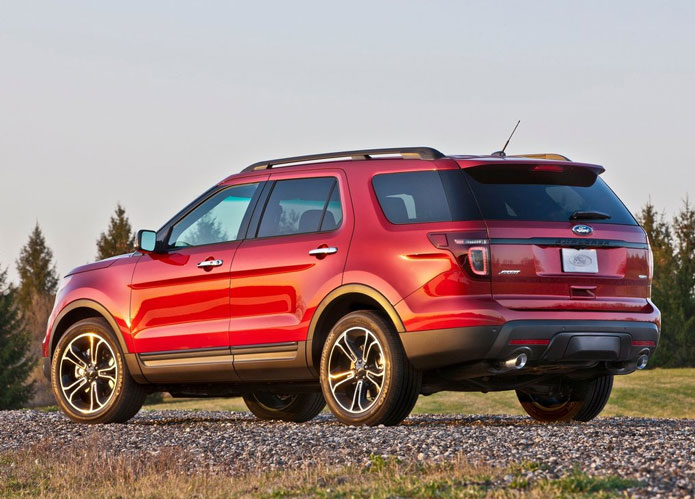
(146, 241)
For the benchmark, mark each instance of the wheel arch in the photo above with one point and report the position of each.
(339, 302)
(84, 309)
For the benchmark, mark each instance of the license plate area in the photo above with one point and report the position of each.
(584, 261)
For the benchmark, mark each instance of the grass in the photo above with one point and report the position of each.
(658, 393)
(81, 470)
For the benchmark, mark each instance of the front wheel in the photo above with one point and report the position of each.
(366, 377)
(581, 401)
(89, 377)
(298, 407)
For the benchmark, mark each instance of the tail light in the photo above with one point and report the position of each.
(471, 249)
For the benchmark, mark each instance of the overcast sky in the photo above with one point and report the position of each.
(149, 103)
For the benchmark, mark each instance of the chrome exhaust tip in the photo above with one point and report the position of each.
(518, 362)
(642, 361)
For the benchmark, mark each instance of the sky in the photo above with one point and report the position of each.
(149, 103)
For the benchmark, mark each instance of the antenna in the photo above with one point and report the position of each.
(501, 154)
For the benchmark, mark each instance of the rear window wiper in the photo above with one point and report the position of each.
(589, 215)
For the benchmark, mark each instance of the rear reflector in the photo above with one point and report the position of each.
(644, 343)
(529, 342)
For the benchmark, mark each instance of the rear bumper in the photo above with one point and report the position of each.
(543, 341)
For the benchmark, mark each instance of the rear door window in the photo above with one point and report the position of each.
(300, 206)
(425, 196)
(545, 193)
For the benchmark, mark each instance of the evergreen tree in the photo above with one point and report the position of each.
(673, 287)
(14, 346)
(118, 239)
(683, 284)
(661, 241)
(37, 272)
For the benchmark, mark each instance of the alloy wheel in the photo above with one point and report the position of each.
(88, 373)
(356, 370)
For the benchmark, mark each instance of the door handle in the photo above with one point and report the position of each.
(323, 251)
(206, 264)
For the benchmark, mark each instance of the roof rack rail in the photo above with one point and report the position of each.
(405, 152)
(543, 155)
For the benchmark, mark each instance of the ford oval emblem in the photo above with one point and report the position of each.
(582, 230)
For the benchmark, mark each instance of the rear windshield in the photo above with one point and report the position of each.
(545, 193)
(425, 196)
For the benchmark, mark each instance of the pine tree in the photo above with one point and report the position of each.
(37, 272)
(118, 239)
(684, 286)
(673, 287)
(14, 346)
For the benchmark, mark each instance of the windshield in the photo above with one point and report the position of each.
(545, 193)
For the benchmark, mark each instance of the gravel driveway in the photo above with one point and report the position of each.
(659, 452)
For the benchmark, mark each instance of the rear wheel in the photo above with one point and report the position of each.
(297, 407)
(580, 401)
(89, 377)
(366, 377)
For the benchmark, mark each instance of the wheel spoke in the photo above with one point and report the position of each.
(101, 375)
(348, 353)
(92, 353)
(335, 387)
(81, 366)
(340, 375)
(356, 396)
(92, 395)
(80, 382)
(374, 373)
(377, 385)
(96, 350)
(96, 395)
(367, 350)
(75, 359)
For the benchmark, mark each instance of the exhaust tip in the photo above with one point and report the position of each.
(521, 361)
(642, 361)
(517, 362)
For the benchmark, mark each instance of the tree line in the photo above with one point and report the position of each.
(24, 308)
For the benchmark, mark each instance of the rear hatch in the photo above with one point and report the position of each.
(560, 239)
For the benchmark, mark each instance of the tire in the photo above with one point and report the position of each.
(583, 402)
(297, 408)
(89, 376)
(366, 377)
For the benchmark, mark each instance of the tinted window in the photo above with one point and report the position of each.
(216, 220)
(425, 196)
(297, 206)
(334, 211)
(521, 192)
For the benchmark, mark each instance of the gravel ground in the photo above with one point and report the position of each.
(658, 452)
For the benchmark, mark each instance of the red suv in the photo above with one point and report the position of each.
(363, 279)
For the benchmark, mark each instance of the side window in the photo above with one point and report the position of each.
(299, 206)
(334, 211)
(425, 196)
(217, 220)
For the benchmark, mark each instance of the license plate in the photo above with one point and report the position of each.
(579, 260)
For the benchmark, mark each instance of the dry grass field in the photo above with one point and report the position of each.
(90, 473)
